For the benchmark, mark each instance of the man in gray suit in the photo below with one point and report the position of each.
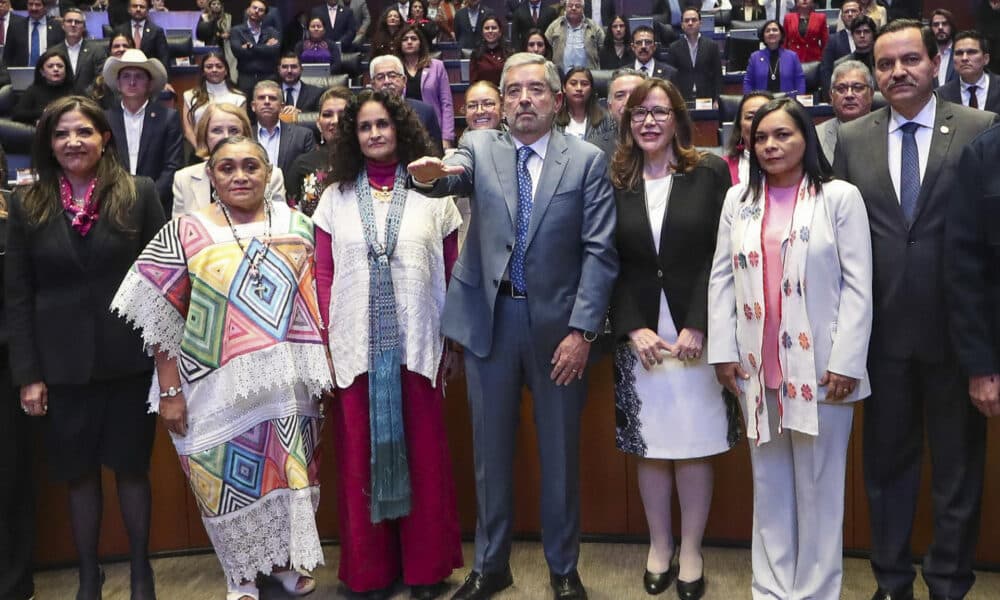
(528, 296)
(903, 159)
(851, 90)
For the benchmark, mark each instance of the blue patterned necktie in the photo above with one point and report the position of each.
(909, 171)
(35, 44)
(524, 202)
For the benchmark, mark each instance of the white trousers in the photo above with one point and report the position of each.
(798, 507)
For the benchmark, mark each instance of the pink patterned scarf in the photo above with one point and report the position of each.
(82, 216)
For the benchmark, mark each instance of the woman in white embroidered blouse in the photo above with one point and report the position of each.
(793, 353)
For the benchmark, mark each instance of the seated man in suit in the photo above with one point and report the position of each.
(644, 46)
(147, 135)
(840, 43)
(863, 32)
(974, 87)
(256, 48)
(852, 88)
(605, 135)
(468, 24)
(86, 57)
(30, 38)
(338, 22)
(531, 14)
(388, 76)
(284, 142)
(943, 26)
(697, 60)
(298, 96)
(15, 51)
(147, 36)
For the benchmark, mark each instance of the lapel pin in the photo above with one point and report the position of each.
(945, 130)
(152, 115)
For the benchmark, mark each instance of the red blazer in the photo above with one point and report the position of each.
(808, 48)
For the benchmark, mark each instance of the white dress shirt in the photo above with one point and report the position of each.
(536, 160)
(74, 54)
(945, 54)
(295, 92)
(649, 66)
(271, 141)
(4, 22)
(982, 89)
(923, 135)
(595, 14)
(404, 9)
(43, 33)
(133, 133)
(332, 11)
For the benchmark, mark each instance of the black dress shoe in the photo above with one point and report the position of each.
(428, 592)
(657, 583)
(481, 586)
(900, 594)
(568, 586)
(691, 590)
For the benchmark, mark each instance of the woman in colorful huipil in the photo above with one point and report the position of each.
(226, 298)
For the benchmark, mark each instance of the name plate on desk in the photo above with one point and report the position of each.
(703, 104)
(182, 61)
(805, 99)
(24, 177)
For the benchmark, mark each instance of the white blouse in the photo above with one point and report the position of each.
(217, 94)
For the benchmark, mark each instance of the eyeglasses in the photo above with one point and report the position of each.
(660, 113)
(483, 105)
(391, 76)
(843, 88)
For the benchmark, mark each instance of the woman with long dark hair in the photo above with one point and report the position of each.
(426, 78)
(790, 311)
(53, 80)
(418, 17)
(535, 42)
(310, 173)
(385, 31)
(215, 84)
(616, 52)
(580, 111)
(737, 151)
(486, 62)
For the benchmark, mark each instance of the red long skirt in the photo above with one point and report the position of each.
(424, 546)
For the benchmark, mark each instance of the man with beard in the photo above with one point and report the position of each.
(863, 31)
(943, 26)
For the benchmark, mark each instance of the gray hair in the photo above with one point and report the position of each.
(521, 59)
(267, 83)
(849, 66)
(385, 58)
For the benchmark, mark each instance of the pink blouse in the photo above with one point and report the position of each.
(778, 211)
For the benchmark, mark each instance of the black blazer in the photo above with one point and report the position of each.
(58, 288)
(259, 59)
(88, 65)
(705, 75)
(16, 51)
(687, 244)
(160, 148)
(952, 92)
(661, 70)
(343, 30)
(294, 141)
(610, 60)
(308, 100)
(154, 41)
(607, 11)
(837, 46)
(521, 21)
(466, 35)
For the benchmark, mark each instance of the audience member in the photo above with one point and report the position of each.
(85, 56)
(777, 10)
(852, 88)
(338, 22)
(362, 19)
(536, 43)
(14, 52)
(426, 77)
(987, 22)
(192, 189)
(567, 264)
(600, 12)
(672, 412)
(644, 47)
(418, 17)
(159, 6)
(580, 112)
(282, 141)
(316, 48)
(530, 14)
(486, 61)
(53, 80)
(943, 26)
(874, 10)
(468, 24)
(902, 9)
(737, 152)
(310, 173)
(576, 40)
(806, 32)
(605, 136)
(863, 35)
(261, 401)
(772, 68)
(797, 393)
(386, 29)
(974, 87)
(443, 13)
(214, 25)
(214, 85)
(399, 514)
(388, 75)
(256, 48)
(617, 51)
(28, 38)
(840, 43)
(298, 96)
(100, 91)
(146, 35)
(483, 107)
(72, 236)
(917, 141)
(697, 60)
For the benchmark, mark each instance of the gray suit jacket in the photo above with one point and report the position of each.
(571, 262)
(827, 134)
(910, 295)
(88, 64)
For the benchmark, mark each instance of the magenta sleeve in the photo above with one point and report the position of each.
(324, 277)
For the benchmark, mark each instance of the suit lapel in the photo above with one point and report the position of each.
(551, 175)
(283, 141)
(680, 192)
(121, 141)
(941, 139)
(150, 125)
(506, 169)
(880, 149)
(993, 94)
(634, 209)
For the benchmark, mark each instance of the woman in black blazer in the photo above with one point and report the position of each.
(670, 410)
(72, 237)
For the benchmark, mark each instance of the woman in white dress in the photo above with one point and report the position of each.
(214, 85)
(671, 412)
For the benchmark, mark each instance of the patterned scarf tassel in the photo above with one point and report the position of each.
(390, 468)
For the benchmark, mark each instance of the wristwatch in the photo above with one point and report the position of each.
(171, 392)
(588, 336)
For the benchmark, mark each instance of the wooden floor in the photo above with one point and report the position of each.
(610, 572)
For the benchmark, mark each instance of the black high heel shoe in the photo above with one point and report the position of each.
(692, 590)
(657, 583)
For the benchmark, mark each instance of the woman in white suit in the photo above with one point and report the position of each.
(192, 189)
(790, 310)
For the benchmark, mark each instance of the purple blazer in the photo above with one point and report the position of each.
(793, 81)
(435, 89)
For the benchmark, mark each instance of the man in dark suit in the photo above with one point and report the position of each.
(902, 9)
(147, 135)
(943, 26)
(644, 46)
(599, 11)
(697, 60)
(469, 23)
(29, 38)
(86, 57)
(840, 44)
(528, 296)
(338, 21)
(974, 87)
(903, 159)
(284, 142)
(296, 95)
(531, 14)
(152, 40)
(256, 48)
(15, 53)
(387, 75)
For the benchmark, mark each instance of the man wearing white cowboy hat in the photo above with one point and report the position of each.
(147, 135)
